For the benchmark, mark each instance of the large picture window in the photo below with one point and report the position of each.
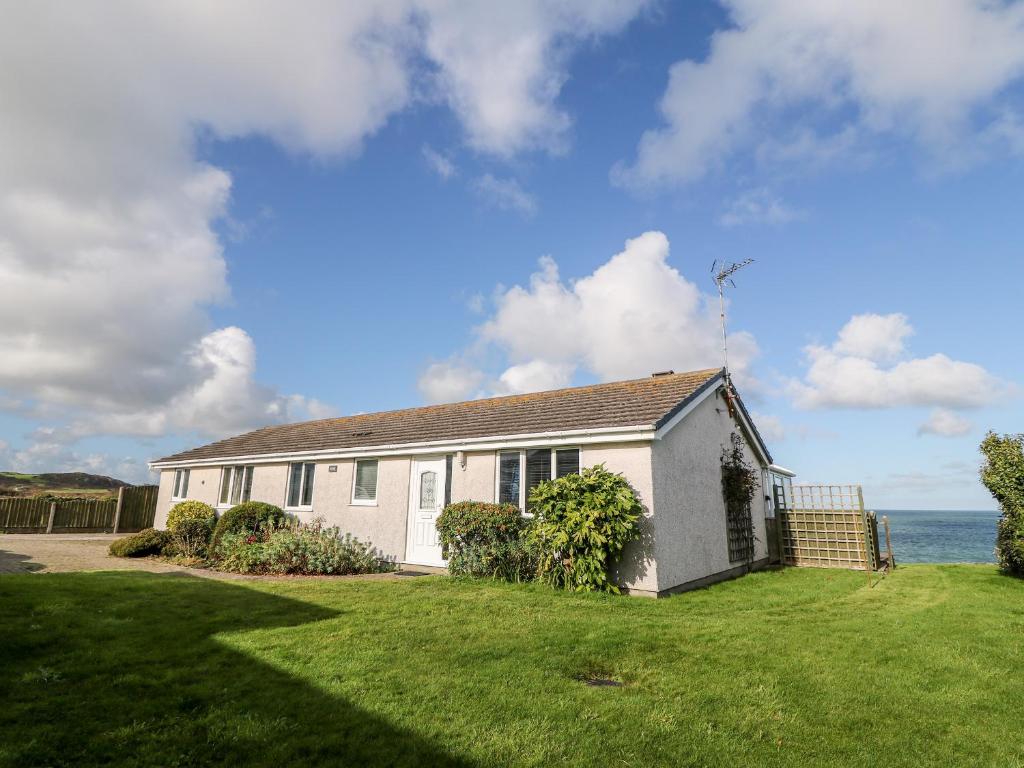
(235, 485)
(180, 489)
(364, 482)
(300, 485)
(519, 472)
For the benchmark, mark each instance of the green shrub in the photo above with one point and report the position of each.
(1003, 475)
(146, 542)
(307, 549)
(249, 517)
(242, 553)
(481, 539)
(581, 524)
(190, 524)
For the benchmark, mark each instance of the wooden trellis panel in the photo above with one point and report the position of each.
(826, 526)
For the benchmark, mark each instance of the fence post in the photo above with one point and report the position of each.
(888, 543)
(53, 514)
(117, 512)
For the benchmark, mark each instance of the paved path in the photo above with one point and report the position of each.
(57, 552)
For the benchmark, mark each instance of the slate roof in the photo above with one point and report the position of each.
(646, 402)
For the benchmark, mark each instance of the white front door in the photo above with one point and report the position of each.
(426, 500)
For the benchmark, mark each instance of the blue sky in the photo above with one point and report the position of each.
(234, 230)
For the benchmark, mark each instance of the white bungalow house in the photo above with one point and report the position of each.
(385, 477)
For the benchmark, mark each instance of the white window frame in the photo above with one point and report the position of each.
(302, 487)
(230, 469)
(176, 484)
(355, 469)
(522, 469)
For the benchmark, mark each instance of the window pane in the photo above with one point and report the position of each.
(508, 479)
(538, 467)
(225, 484)
(177, 483)
(236, 485)
(428, 490)
(567, 462)
(184, 483)
(247, 486)
(307, 486)
(294, 485)
(366, 480)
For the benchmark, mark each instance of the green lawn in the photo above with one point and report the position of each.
(798, 667)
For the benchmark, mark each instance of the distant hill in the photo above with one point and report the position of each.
(59, 483)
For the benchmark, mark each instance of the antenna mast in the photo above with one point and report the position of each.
(723, 275)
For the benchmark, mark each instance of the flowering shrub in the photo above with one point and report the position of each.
(247, 517)
(481, 539)
(302, 549)
(582, 522)
(190, 524)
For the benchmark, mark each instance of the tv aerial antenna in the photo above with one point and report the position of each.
(723, 273)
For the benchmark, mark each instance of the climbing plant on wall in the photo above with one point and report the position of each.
(739, 486)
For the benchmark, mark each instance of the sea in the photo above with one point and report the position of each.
(931, 536)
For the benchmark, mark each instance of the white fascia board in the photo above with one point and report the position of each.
(751, 433)
(639, 433)
(665, 428)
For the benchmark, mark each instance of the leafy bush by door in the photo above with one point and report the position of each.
(481, 539)
(581, 525)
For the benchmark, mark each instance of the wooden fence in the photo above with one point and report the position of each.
(827, 526)
(133, 510)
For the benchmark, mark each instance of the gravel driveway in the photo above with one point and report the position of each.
(54, 553)
(57, 552)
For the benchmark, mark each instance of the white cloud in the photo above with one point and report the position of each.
(108, 257)
(924, 70)
(875, 337)
(449, 382)
(440, 164)
(48, 452)
(535, 376)
(635, 314)
(505, 194)
(502, 65)
(758, 206)
(860, 371)
(945, 423)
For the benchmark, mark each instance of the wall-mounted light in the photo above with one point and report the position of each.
(460, 456)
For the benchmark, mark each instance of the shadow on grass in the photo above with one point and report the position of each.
(124, 669)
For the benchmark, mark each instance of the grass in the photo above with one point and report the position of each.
(800, 667)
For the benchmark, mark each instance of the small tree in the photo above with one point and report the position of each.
(582, 522)
(1003, 475)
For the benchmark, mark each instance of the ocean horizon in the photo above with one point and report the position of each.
(941, 536)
